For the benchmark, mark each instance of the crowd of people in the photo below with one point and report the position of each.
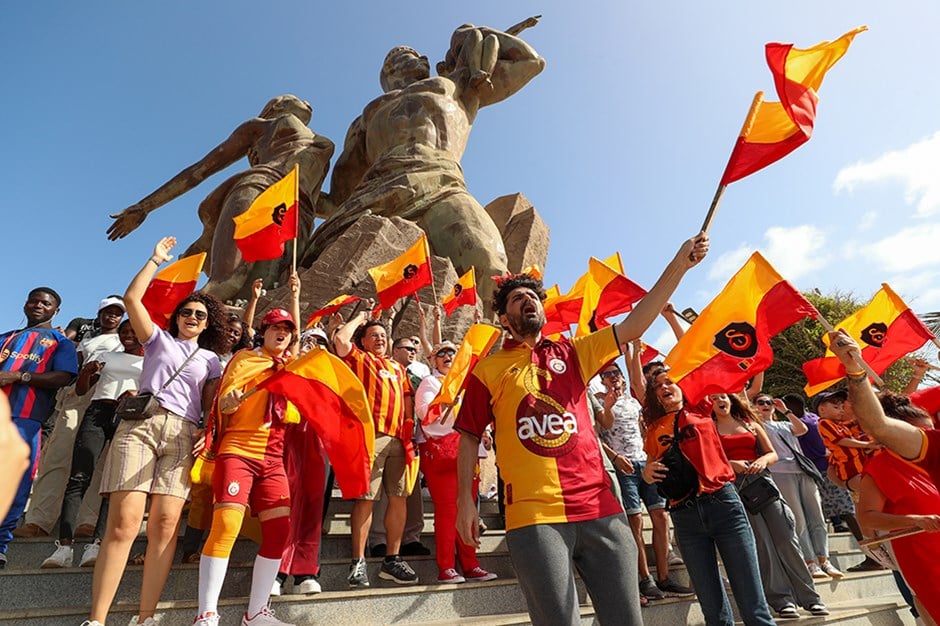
(747, 480)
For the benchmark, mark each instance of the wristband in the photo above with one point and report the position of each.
(154, 261)
(857, 374)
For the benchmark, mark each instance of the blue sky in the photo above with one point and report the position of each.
(619, 143)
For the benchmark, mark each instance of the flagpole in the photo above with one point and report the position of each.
(297, 212)
(745, 129)
(857, 357)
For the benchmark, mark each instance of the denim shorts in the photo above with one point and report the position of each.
(634, 489)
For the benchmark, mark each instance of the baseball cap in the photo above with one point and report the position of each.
(444, 345)
(826, 396)
(112, 301)
(276, 316)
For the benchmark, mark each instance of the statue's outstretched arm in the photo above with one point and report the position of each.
(516, 64)
(223, 155)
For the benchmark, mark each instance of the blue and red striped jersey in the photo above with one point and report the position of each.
(35, 350)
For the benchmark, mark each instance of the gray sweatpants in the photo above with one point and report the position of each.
(605, 555)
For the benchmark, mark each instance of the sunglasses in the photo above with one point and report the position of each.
(765, 402)
(445, 353)
(611, 374)
(408, 348)
(198, 314)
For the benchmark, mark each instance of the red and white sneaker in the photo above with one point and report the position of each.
(207, 619)
(479, 575)
(265, 617)
(450, 577)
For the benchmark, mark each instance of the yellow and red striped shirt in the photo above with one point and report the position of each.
(387, 386)
(848, 461)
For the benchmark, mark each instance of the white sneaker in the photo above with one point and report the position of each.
(90, 554)
(309, 586)
(815, 571)
(92, 622)
(265, 617)
(207, 619)
(150, 621)
(276, 588)
(62, 557)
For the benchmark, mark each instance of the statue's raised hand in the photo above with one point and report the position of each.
(126, 221)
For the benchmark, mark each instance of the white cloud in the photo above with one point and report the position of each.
(915, 167)
(794, 252)
(867, 220)
(908, 249)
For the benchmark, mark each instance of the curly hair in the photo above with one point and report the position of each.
(213, 337)
(652, 408)
(901, 407)
(505, 286)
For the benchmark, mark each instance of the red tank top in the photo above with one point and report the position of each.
(740, 446)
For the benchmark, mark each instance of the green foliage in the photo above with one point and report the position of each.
(803, 341)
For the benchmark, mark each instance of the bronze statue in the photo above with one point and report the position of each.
(273, 142)
(402, 155)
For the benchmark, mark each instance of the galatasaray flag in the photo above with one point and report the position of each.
(648, 355)
(775, 129)
(272, 219)
(404, 275)
(562, 310)
(331, 307)
(169, 287)
(332, 399)
(532, 270)
(476, 344)
(464, 292)
(607, 292)
(886, 329)
(729, 343)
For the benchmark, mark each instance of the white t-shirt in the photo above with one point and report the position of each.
(121, 373)
(91, 347)
(419, 369)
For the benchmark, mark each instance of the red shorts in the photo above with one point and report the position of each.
(262, 484)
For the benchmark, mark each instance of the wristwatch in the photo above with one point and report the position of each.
(25, 377)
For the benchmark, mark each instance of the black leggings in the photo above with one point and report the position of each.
(97, 428)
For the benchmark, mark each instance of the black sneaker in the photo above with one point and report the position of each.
(868, 565)
(3, 560)
(649, 590)
(358, 574)
(415, 548)
(398, 571)
(672, 589)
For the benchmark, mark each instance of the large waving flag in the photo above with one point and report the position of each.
(606, 293)
(169, 287)
(476, 344)
(729, 343)
(886, 329)
(331, 307)
(332, 399)
(464, 292)
(403, 276)
(775, 129)
(272, 219)
(564, 309)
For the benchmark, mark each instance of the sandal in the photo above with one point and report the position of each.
(191, 558)
(137, 559)
(788, 612)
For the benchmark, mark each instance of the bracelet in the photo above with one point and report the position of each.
(154, 261)
(857, 374)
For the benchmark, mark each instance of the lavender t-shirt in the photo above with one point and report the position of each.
(163, 354)
(812, 443)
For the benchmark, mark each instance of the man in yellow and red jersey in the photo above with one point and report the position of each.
(560, 509)
(363, 344)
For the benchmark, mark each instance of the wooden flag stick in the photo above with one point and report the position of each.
(293, 266)
(745, 129)
(897, 534)
(857, 357)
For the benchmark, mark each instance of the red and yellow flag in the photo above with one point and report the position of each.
(729, 343)
(649, 354)
(403, 276)
(272, 219)
(606, 293)
(464, 292)
(332, 399)
(476, 344)
(563, 310)
(331, 307)
(532, 270)
(775, 129)
(886, 329)
(169, 287)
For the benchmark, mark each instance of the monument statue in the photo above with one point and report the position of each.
(401, 156)
(274, 142)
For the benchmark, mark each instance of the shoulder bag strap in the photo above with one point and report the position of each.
(178, 370)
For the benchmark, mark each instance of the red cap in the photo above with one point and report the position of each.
(276, 316)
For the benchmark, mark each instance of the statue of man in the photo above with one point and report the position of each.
(402, 155)
(274, 142)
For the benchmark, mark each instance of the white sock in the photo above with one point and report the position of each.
(211, 575)
(262, 579)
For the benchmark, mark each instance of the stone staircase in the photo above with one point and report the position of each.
(37, 597)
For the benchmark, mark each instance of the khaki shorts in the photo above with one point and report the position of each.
(152, 455)
(388, 468)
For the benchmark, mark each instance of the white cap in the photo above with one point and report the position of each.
(112, 301)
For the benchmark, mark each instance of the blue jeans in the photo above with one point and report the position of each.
(718, 520)
(30, 431)
(634, 491)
